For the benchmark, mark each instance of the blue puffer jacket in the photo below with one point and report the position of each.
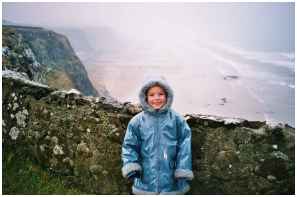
(157, 143)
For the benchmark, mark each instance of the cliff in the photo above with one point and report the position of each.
(78, 139)
(46, 57)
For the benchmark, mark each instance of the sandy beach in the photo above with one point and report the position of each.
(201, 91)
(206, 81)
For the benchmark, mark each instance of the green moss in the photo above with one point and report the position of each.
(22, 176)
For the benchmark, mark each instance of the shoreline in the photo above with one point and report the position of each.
(205, 91)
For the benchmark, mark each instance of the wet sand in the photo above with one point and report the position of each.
(214, 86)
(195, 91)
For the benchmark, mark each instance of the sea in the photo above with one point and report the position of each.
(207, 78)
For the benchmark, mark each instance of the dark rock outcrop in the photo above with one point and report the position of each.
(46, 57)
(79, 138)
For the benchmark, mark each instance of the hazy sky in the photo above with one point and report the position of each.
(267, 26)
(201, 43)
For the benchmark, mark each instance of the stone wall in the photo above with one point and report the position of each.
(79, 138)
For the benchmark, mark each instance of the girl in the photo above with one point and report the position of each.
(156, 151)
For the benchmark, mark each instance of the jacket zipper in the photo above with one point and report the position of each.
(158, 131)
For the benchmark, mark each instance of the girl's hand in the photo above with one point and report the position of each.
(132, 175)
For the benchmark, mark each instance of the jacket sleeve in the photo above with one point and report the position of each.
(184, 154)
(130, 151)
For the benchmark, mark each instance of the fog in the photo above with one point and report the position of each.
(252, 25)
(229, 59)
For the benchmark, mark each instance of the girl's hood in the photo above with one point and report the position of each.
(149, 82)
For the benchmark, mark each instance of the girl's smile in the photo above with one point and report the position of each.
(156, 97)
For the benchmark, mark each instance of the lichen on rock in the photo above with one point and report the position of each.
(21, 118)
(14, 133)
(58, 150)
(83, 148)
(279, 155)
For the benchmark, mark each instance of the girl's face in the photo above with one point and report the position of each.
(156, 97)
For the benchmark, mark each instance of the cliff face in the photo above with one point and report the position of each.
(46, 57)
(79, 139)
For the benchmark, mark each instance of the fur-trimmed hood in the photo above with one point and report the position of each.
(149, 82)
